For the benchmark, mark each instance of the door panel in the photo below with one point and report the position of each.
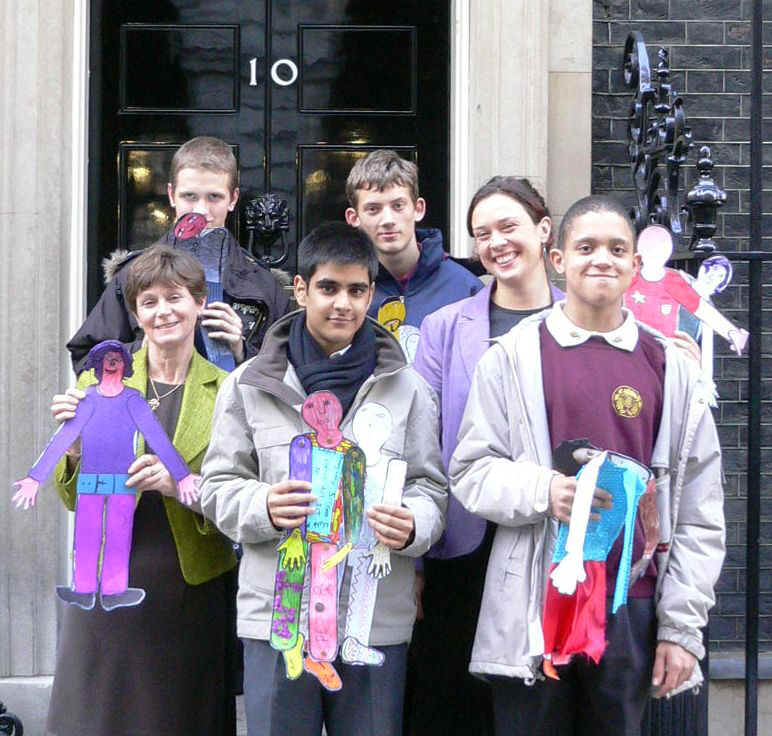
(300, 90)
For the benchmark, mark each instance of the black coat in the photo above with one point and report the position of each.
(251, 289)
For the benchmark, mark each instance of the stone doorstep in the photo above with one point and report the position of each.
(27, 698)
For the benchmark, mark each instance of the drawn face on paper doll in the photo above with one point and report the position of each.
(714, 275)
(655, 246)
(371, 427)
(322, 412)
(112, 365)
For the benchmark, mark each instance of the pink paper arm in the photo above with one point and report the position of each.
(27, 492)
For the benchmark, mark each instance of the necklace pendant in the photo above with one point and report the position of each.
(154, 403)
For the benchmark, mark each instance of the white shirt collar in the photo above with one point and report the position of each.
(568, 335)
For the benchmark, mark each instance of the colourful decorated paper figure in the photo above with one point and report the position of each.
(713, 277)
(385, 480)
(575, 604)
(106, 420)
(336, 469)
(657, 295)
(391, 314)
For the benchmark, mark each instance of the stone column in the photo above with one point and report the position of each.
(35, 219)
(521, 100)
(570, 95)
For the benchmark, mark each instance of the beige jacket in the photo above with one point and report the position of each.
(501, 470)
(256, 416)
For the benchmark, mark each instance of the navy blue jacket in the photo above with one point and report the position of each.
(437, 281)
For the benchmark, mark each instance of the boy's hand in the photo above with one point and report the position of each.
(289, 502)
(687, 345)
(562, 492)
(393, 525)
(673, 666)
(222, 323)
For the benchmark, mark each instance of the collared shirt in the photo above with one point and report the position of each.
(567, 334)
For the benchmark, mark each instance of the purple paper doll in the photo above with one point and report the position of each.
(106, 420)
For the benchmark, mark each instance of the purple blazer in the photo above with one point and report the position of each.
(452, 342)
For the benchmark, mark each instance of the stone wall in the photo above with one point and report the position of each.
(35, 220)
(709, 46)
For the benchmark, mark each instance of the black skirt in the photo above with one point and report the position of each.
(163, 667)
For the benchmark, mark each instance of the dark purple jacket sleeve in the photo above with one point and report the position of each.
(156, 437)
(67, 433)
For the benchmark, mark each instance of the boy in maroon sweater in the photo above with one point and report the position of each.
(587, 369)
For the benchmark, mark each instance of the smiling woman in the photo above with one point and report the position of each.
(174, 653)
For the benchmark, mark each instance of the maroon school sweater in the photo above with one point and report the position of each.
(614, 398)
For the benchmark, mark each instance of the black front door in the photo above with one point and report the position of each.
(300, 89)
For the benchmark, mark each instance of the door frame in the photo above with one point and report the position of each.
(459, 152)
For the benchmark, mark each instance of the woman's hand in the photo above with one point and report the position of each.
(63, 407)
(148, 473)
(222, 323)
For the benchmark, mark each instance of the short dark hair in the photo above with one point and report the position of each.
(95, 358)
(593, 203)
(339, 244)
(161, 264)
(521, 190)
(378, 170)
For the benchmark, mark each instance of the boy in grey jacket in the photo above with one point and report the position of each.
(586, 369)
(247, 492)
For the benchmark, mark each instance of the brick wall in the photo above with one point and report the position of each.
(709, 46)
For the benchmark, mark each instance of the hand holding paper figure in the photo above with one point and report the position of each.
(570, 570)
(106, 419)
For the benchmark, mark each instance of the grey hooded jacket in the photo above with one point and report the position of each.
(501, 470)
(256, 416)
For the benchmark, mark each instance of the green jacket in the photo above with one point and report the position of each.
(203, 552)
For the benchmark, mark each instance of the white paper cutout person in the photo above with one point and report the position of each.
(370, 560)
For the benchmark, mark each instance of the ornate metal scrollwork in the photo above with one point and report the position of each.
(267, 220)
(10, 725)
(657, 132)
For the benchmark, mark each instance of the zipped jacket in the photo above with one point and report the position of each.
(502, 469)
(437, 281)
(256, 417)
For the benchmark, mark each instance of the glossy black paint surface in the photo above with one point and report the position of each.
(370, 75)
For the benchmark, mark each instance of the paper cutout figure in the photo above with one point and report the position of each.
(106, 420)
(207, 247)
(713, 277)
(336, 469)
(658, 296)
(370, 559)
(391, 314)
(575, 604)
